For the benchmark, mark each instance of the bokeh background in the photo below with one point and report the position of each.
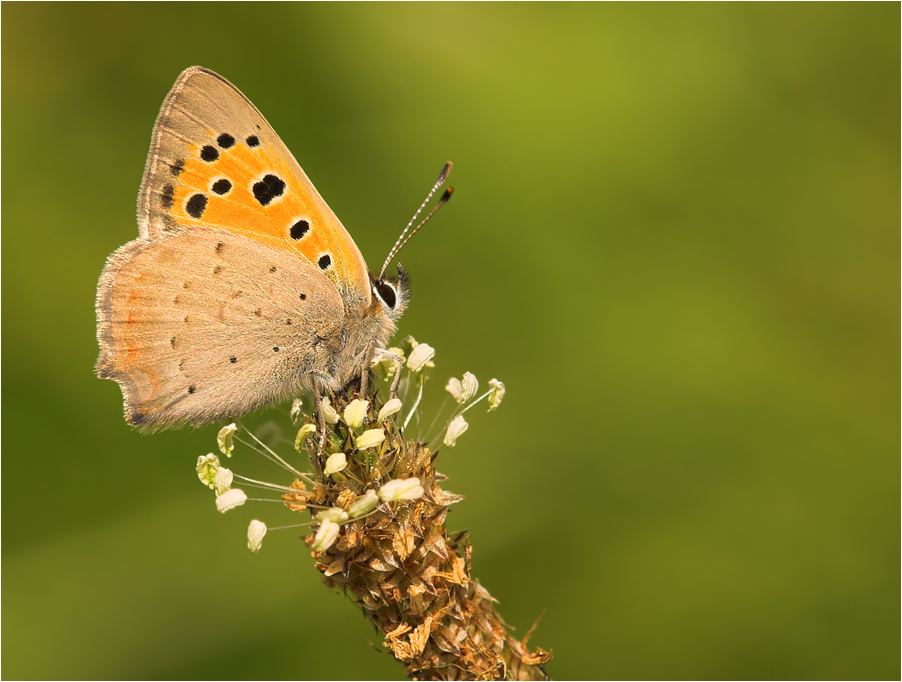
(675, 237)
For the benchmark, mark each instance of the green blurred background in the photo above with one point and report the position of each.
(675, 238)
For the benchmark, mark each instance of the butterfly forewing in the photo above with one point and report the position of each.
(216, 162)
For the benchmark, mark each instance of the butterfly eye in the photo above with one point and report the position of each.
(386, 292)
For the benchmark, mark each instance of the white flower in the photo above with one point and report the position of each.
(206, 469)
(333, 514)
(226, 434)
(419, 356)
(325, 536)
(230, 499)
(389, 360)
(370, 438)
(364, 505)
(296, 408)
(463, 391)
(329, 413)
(355, 413)
(223, 480)
(496, 394)
(255, 532)
(455, 388)
(335, 463)
(457, 426)
(401, 489)
(470, 387)
(303, 432)
(390, 408)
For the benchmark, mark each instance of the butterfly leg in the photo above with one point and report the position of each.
(399, 363)
(365, 372)
(321, 422)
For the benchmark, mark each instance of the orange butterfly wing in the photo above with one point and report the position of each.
(215, 161)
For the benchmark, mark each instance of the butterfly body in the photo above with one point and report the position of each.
(243, 288)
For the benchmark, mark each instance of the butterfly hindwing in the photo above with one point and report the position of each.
(203, 324)
(215, 162)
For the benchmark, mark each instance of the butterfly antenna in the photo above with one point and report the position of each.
(405, 237)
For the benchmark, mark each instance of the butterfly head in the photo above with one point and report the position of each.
(391, 294)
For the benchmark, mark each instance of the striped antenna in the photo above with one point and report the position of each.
(404, 238)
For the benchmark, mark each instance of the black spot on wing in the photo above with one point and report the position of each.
(267, 189)
(324, 261)
(253, 141)
(221, 186)
(177, 167)
(209, 153)
(299, 229)
(225, 140)
(196, 206)
(166, 196)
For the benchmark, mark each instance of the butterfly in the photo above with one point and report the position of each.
(243, 288)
